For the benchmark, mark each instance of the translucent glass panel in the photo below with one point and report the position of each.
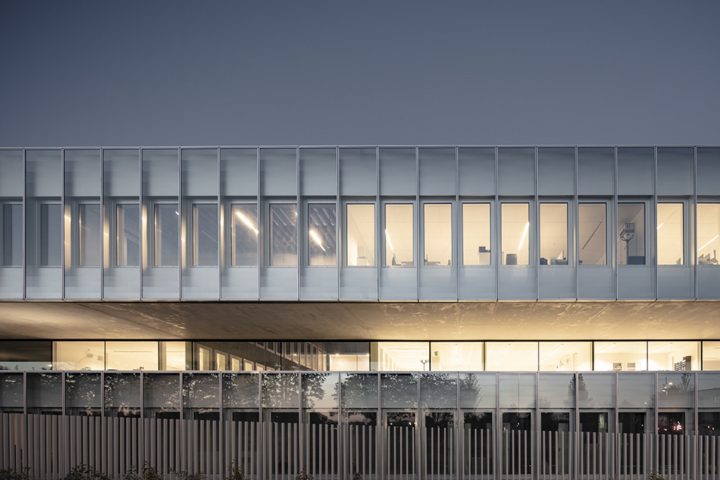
(360, 232)
(620, 356)
(399, 356)
(670, 234)
(132, 355)
(511, 356)
(553, 234)
(322, 235)
(204, 237)
(11, 234)
(126, 251)
(711, 355)
(174, 356)
(398, 171)
(708, 233)
(631, 234)
(517, 391)
(318, 171)
(399, 248)
(238, 172)
(165, 235)
(476, 234)
(515, 231)
(243, 235)
(592, 231)
(456, 356)
(672, 355)
(476, 174)
(438, 171)
(437, 234)
(565, 356)
(79, 355)
(11, 174)
(358, 171)
(278, 171)
(283, 235)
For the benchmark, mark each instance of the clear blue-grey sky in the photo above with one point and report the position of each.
(138, 72)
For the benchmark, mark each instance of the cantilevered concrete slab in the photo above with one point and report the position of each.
(361, 321)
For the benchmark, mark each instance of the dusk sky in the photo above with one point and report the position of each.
(372, 72)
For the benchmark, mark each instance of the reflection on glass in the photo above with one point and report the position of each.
(671, 355)
(399, 251)
(515, 234)
(321, 234)
(88, 235)
(553, 234)
(166, 235)
(204, 235)
(173, 356)
(437, 234)
(592, 234)
(631, 234)
(127, 224)
(565, 356)
(360, 235)
(11, 235)
(244, 235)
(78, 355)
(456, 356)
(476, 233)
(670, 234)
(132, 355)
(399, 356)
(620, 356)
(283, 235)
(511, 356)
(708, 233)
(50, 241)
(711, 356)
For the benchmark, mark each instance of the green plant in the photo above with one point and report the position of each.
(8, 474)
(147, 473)
(85, 472)
(235, 473)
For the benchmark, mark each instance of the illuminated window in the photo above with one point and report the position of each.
(511, 356)
(127, 232)
(620, 356)
(220, 361)
(204, 235)
(203, 358)
(166, 234)
(476, 233)
(79, 355)
(437, 228)
(244, 235)
(708, 233)
(235, 364)
(360, 235)
(399, 356)
(283, 235)
(11, 232)
(670, 234)
(631, 234)
(592, 234)
(675, 356)
(173, 356)
(322, 233)
(515, 233)
(456, 356)
(565, 356)
(248, 365)
(399, 250)
(553, 234)
(711, 355)
(132, 355)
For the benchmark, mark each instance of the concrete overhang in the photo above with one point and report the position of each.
(360, 321)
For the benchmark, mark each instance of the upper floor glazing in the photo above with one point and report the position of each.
(360, 223)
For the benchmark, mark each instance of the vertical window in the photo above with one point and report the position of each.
(220, 361)
(670, 234)
(476, 233)
(437, 234)
(88, 235)
(631, 234)
(204, 235)
(127, 232)
(203, 359)
(11, 235)
(244, 235)
(399, 248)
(235, 364)
(592, 233)
(515, 233)
(166, 235)
(322, 234)
(50, 241)
(708, 233)
(360, 226)
(173, 356)
(283, 235)
(553, 234)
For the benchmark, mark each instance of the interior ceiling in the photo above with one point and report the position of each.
(360, 321)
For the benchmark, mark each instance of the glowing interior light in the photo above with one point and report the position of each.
(708, 243)
(246, 221)
(315, 237)
(389, 241)
(524, 235)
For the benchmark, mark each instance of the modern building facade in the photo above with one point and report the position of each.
(445, 311)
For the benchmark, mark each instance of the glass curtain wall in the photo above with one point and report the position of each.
(553, 234)
(437, 234)
(708, 233)
(476, 238)
(515, 232)
(670, 234)
(11, 223)
(360, 233)
(592, 232)
(399, 247)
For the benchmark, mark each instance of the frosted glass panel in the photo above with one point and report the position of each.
(166, 235)
(278, 171)
(398, 171)
(318, 170)
(283, 235)
(358, 171)
(204, 237)
(322, 234)
(11, 173)
(708, 233)
(244, 235)
(438, 171)
(11, 234)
